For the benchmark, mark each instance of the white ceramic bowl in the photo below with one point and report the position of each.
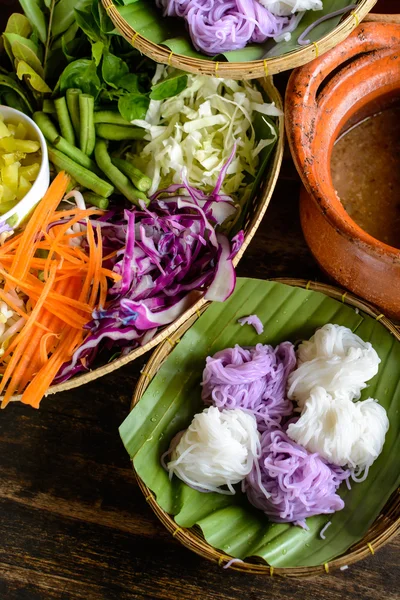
(24, 207)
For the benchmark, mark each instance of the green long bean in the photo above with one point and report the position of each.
(67, 131)
(72, 95)
(118, 133)
(83, 176)
(96, 200)
(51, 134)
(87, 130)
(139, 179)
(109, 116)
(120, 181)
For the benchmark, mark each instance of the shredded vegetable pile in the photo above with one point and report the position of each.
(53, 286)
(196, 131)
(165, 255)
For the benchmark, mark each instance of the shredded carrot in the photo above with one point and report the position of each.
(62, 283)
(55, 326)
(38, 222)
(20, 346)
(103, 292)
(97, 261)
(43, 345)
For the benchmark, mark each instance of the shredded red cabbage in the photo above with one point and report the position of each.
(217, 26)
(290, 484)
(168, 254)
(253, 379)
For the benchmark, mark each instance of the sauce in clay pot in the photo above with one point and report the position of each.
(365, 168)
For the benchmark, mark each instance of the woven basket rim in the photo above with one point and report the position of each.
(243, 70)
(387, 525)
(265, 193)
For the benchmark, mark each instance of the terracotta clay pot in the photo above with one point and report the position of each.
(323, 99)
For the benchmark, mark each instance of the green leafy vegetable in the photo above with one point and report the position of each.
(11, 98)
(173, 397)
(97, 52)
(35, 81)
(169, 87)
(88, 25)
(35, 17)
(129, 82)
(64, 15)
(81, 74)
(113, 69)
(19, 24)
(133, 106)
(10, 84)
(25, 50)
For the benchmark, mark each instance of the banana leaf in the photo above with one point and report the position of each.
(173, 397)
(144, 17)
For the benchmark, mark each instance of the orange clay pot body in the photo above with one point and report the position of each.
(324, 98)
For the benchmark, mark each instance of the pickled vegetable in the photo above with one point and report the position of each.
(20, 159)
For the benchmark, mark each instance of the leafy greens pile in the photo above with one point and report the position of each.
(65, 44)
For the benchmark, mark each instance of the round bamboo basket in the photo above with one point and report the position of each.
(254, 217)
(243, 70)
(385, 527)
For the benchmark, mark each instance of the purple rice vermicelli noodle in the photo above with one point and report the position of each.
(217, 26)
(299, 484)
(253, 379)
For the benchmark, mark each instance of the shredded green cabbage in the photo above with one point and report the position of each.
(196, 131)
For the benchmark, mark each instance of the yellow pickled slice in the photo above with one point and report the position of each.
(7, 144)
(9, 159)
(21, 132)
(9, 176)
(30, 172)
(8, 195)
(4, 130)
(27, 146)
(23, 188)
(20, 160)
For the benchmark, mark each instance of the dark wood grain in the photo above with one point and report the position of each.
(73, 524)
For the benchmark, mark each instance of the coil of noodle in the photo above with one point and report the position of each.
(217, 26)
(343, 432)
(290, 484)
(253, 379)
(218, 449)
(335, 359)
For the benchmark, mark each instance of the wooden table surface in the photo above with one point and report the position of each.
(73, 523)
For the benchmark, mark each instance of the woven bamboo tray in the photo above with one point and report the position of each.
(386, 526)
(243, 70)
(253, 220)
